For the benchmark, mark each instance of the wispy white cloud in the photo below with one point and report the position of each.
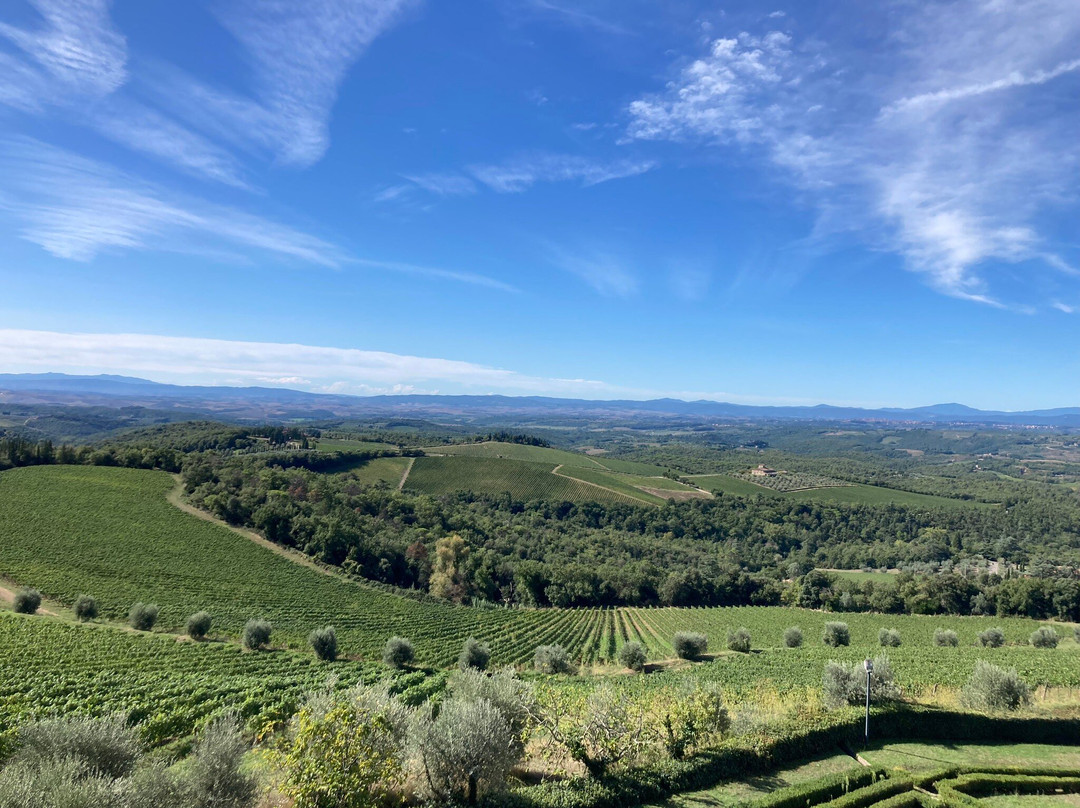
(443, 184)
(523, 172)
(932, 144)
(577, 17)
(77, 209)
(601, 270)
(689, 283)
(76, 48)
(299, 52)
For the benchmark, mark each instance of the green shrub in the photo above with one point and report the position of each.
(398, 652)
(992, 638)
(474, 654)
(553, 659)
(323, 642)
(256, 634)
(844, 683)
(143, 616)
(107, 747)
(198, 625)
(739, 640)
(512, 697)
(889, 638)
(690, 644)
(213, 773)
(62, 783)
(85, 608)
(632, 655)
(836, 634)
(465, 752)
(27, 601)
(946, 638)
(793, 637)
(992, 688)
(1044, 637)
(694, 718)
(346, 750)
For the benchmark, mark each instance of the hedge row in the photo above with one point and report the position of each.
(964, 791)
(787, 742)
(821, 790)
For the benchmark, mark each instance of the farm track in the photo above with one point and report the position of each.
(617, 494)
(405, 474)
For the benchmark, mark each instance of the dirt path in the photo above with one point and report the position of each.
(405, 474)
(8, 596)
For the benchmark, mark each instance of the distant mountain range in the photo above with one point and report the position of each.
(271, 402)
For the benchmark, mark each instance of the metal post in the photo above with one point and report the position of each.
(866, 732)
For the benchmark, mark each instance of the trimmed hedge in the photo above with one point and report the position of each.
(964, 791)
(821, 790)
(786, 742)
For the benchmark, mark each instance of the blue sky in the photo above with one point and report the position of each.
(816, 202)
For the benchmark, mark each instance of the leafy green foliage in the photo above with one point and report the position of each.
(552, 659)
(844, 683)
(739, 640)
(633, 655)
(889, 638)
(993, 688)
(398, 652)
(474, 654)
(690, 644)
(26, 601)
(256, 634)
(346, 750)
(85, 608)
(198, 625)
(836, 634)
(143, 616)
(1044, 637)
(991, 638)
(793, 637)
(323, 642)
(946, 638)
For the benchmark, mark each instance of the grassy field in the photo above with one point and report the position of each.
(339, 445)
(382, 469)
(524, 480)
(543, 454)
(855, 494)
(862, 577)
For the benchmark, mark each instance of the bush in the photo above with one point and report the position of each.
(323, 642)
(60, 783)
(511, 696)
(836, 634)
(552, 659)
(256, 634)
(104, 747)
(994, 688)
(474, 654)
(85, 608)
(27, 601)
(198, 625)
(346, 749)
(739, 640)
(946, 638)
(398, 652)
(992, 638)
(690, 645)
(844, 683)
(692, 719)
(213, 772)
(609, 727)
(143, 616)
(889, 638)
(793, 637)
(1044, 637)
(466, 751)
(632, 655)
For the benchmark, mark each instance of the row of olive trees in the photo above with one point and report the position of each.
(988, 688)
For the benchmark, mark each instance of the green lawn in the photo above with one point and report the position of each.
(921, 756)
(381, 469)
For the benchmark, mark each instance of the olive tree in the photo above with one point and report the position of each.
(256, 634)
(836, 634)
(142, 616)
(398, 652)
(632, 655)
(27, 601)
(85, 608)
(992, 688)
(690, 644)
(198, 625)
(323, 642)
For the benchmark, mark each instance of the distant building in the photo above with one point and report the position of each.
(763, 471)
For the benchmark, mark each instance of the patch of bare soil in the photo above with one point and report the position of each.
(8, 596)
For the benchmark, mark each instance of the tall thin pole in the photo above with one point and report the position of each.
(866, 732)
